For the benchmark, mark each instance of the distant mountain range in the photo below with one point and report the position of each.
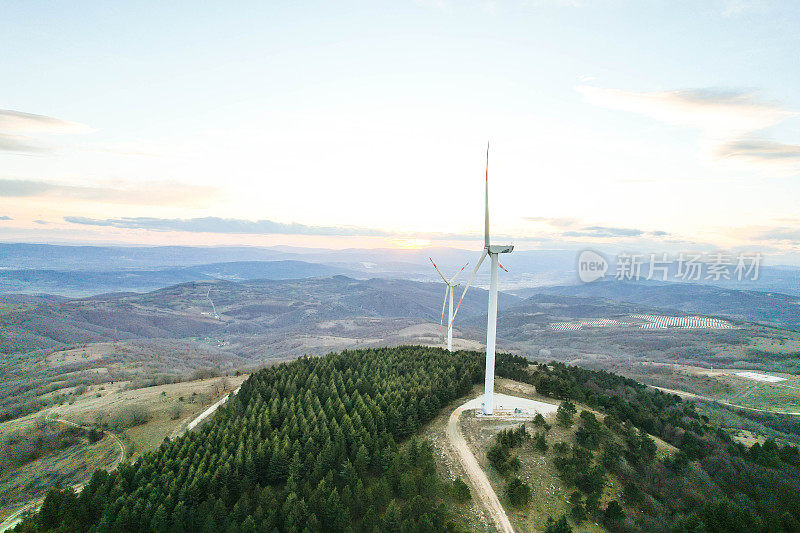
(93, 270)
(770, 308)
(93, 282)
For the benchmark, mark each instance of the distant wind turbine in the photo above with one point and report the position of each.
(491, 325)
(448, 291)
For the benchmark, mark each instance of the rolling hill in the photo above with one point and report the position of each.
(769, 308)
(330, 305)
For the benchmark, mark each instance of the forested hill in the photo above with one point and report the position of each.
(315, 445)
(305, 446)
(711, 483)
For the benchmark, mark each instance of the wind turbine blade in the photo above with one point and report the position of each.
(444, 303)
(458, 273)
(501, 266)
(486, 221)
(480, 262)
(439, 271)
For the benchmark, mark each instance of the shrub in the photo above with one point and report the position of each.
(558, 526)
(613, 512)
(540, 442)
(460, 491)
(565, 412)
(518, 492)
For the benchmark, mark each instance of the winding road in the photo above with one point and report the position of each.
(477, 477)
(109, 433)
(16, 518)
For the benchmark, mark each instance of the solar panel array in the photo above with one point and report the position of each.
(595, 323)
(651, 322)
(684, 322)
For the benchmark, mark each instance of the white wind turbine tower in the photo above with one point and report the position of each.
(448, 291)
(493, 251)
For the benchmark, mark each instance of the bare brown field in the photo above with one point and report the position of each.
(40, 454)
(142, 418)
(723, 384)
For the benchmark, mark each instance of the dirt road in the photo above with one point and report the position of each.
(16, 518)
(183, 428)
(477, 477)
(109, 433)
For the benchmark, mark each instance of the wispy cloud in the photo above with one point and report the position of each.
(784, 234)
(760, 150)
(578, 229)
(726, 118)
(19, 122)
(21, 144)
(13, 123)
(718, 112)
(559, 222)
(5, 217)
(735, 8)
(141, 194)
(611, 232)
(227, 225)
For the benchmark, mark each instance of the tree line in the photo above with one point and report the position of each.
(311, 445)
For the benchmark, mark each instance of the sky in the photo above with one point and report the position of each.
(653, 125)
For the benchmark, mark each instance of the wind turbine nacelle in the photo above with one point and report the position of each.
(500, 248)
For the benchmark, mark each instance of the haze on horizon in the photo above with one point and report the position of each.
(657, 126)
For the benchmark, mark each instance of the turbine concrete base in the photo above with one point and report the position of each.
(506, 406)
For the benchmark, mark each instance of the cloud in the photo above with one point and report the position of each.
(735, 8)
(141, 194)
(42, 222)
(4, 217)
(760, 150)
(595, 232)
(19, 122)
(21, 143)
(718, 112)
(779, 234)
(559, 222)
(226, 225)
(611, 232)
(441, 5)
(726, 118)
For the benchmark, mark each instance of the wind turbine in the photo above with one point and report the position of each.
(493, 251)
(448, 291)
